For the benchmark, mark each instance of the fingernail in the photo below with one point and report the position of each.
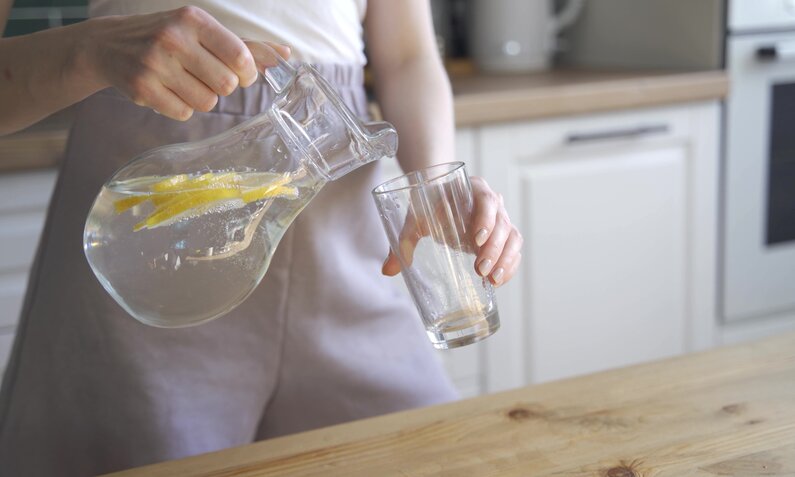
(497, 275)
(485, 267)
(481, 236)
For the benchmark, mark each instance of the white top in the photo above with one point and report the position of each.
(318, 31)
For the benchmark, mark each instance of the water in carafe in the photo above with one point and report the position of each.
(184, 233)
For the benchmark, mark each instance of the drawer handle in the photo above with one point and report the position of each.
(580, 138)
(781, 51)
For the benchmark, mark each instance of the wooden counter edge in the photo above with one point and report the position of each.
(712, 369)
(32, 150)
(588, 97)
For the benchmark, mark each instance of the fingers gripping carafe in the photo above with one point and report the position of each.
(183, 234)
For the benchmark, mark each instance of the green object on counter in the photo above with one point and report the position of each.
(28, 16)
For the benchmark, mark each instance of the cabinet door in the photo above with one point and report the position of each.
(23, 204)
(618, 212)
(606, 260)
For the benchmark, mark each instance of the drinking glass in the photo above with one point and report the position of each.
(426, 215)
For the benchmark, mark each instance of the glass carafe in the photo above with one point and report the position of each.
(183, 234)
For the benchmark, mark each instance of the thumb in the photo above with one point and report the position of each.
(265, 53)
(391, 265)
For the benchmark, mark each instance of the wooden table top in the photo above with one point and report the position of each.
(729, 411)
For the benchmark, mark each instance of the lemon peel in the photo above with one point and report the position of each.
(182, 195)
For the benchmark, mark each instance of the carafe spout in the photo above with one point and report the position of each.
(383, 139)
(314, 118)
(370, 142)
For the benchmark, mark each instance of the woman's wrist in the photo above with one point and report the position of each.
(84, 61)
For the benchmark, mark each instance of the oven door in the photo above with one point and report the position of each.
(759, 221)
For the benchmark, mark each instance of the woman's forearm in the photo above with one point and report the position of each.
(416, 98)
(174, 62)
(42, 73)
(411, 84)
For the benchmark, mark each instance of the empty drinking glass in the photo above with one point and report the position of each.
(426, 215)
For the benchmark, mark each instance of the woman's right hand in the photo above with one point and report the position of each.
(174, 62)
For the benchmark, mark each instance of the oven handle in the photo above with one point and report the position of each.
(780, 51)
(630, 133)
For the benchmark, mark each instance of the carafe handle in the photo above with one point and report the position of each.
(279, 75)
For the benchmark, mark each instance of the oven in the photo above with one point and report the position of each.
(758, 276)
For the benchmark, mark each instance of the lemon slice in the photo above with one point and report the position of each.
(164, 189)
(185, 202)
(170, 183)
(180, 195)
(183, 182)
(250, 180)
(127, 203)
(268, 192)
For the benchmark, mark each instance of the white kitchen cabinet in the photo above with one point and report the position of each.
(12, 294)
(6, 342)
(605, 242)
(619, 216)
(24, 198)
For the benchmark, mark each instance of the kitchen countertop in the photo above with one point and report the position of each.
(37, 147)
(479, 99)
(729, 411)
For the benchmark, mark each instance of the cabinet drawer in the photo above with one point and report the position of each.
(571, 136)
(19, 236)
(6, 341)
(26, 191)
(606, 251)
(12, 294)
(24, 198)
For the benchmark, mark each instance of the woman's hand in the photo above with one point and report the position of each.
(498, 242)
(174, 62)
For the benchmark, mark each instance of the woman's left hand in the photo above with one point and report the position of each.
(499, 243)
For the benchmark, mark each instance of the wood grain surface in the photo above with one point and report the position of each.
(32, 150)
(483, 99)
(726, 412)
(39, 146)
